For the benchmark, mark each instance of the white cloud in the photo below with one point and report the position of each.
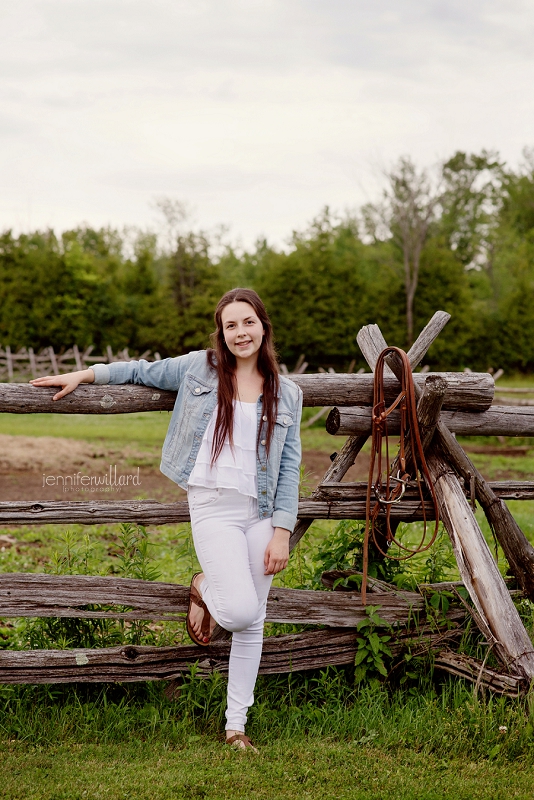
(258, 112)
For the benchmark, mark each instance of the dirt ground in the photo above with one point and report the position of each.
(50, 468)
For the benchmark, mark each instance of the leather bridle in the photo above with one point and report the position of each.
(395, 485)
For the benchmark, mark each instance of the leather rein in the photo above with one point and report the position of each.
(391, 492)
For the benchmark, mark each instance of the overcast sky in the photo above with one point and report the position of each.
(256, 112)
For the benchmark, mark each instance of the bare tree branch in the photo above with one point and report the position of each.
(405, 215)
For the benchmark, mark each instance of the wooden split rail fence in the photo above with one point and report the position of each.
(449, 403)
(26, 362)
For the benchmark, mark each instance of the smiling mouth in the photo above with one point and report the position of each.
(243, 344)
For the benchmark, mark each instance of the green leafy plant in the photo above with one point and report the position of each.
(186, 552)
(134, 559)
(439, 563)
(440, 602)
(372, 646)
(337, 550)
(343, 550)
(74, 557)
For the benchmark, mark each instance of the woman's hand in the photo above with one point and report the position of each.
(69, 382)
(277, 552)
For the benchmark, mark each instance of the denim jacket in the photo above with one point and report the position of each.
(196, 383)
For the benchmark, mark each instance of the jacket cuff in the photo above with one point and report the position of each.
(283, 519)
(102, 374)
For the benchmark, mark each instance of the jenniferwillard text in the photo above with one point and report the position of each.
(110, 481)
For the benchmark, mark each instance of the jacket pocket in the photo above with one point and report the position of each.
(285, 420)
(196, 388)
(283, 423)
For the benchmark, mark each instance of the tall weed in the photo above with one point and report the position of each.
(74, 557)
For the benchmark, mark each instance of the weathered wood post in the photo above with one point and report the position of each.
(53, 360)
(9, 362)
(428, 411)
(517, 549)
(479, 572)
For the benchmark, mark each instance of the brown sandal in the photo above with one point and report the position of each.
(240, 737)
(196, 599)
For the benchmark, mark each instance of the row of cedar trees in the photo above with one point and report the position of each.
(459, 237)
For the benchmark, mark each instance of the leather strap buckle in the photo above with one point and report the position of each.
(403, 484)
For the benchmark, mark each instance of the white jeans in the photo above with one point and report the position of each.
(230, 542)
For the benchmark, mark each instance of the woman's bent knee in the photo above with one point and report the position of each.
(239, 619)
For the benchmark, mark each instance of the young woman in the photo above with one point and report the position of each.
(233, 442)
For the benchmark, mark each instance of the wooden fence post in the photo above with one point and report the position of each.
(477, 567)
(9, 362)
(33, 363)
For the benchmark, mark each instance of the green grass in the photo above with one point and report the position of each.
(140, 429)
(516, 380)
(288, 769)
(170, 548)
(505, 467)
(318, 738)
(320, 770)
(320, 734)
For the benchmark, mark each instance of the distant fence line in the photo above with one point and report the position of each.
(26, 362)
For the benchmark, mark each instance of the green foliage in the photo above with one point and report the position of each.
(343, 550)
(192, 286)
(435, 565)
(302, 291)
(53, 292)
(102, 287)
(75, 557)
(372, 646)
(134, 559)
(338, 551)
(443, 285)
(518, 197)
(470, 204)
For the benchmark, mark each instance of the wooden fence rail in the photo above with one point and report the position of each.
(472, 392)
(38, 595)
(330, 501)
(496, 421)
(466, 399)
(126, 663)
(281, 654)
(47, 362)
(149, 512)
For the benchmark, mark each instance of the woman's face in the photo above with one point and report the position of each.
(242, 330)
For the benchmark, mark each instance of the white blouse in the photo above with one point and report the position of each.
(235, 468)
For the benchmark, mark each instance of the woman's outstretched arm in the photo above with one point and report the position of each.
(165, 374)
(68, 382)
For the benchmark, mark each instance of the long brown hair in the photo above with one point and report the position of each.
(224, 362)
